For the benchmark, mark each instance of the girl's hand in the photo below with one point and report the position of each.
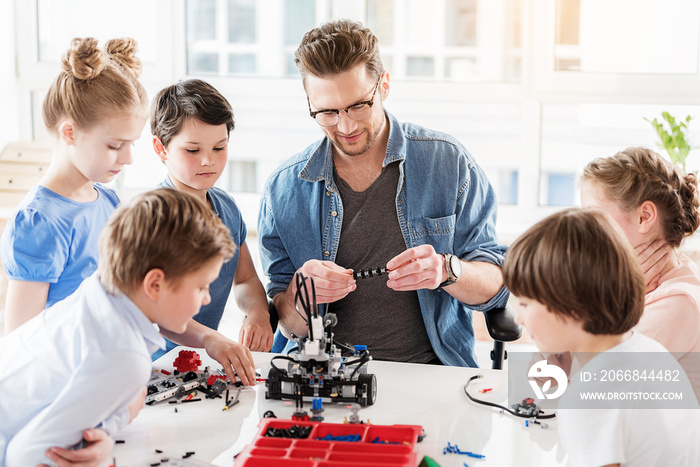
(653, 257)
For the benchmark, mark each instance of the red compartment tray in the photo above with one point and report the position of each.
(378, 446)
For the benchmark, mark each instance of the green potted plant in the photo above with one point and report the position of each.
(674, 137)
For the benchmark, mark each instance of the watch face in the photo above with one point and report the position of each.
(455, 265)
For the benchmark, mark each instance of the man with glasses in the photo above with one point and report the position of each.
(395, 223)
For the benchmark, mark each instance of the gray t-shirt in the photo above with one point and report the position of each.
(388, 322)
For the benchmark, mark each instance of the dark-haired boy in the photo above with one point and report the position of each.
(580, 288)
(191, 123)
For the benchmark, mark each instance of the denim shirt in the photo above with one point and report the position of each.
(443, 198)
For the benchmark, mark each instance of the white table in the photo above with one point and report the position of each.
(427, 395)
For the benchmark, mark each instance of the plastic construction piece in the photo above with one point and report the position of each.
(318, 369)
(294, 431)
(316, 410)
(187, 360)
(450, 449)
(318, 444)
(186, 400)
(527, 407)
(354, 417)
(179, 385)
(176, 385)
(347, 438)
(381, 441)
(428, 462)
(301, 415)
(232, 402)
(544, 426)
(173, 459)
(365, 273)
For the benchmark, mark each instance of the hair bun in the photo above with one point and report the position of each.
(691, 202)
(84, 59)
(123, 51)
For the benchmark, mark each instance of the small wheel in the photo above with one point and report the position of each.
(274, 384)
(369, 382)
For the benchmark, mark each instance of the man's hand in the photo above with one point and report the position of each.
(99, 445)
(653, 258)
(416, 268)
(331, 281)
(232, 356)
(137, 404)
(256, 332)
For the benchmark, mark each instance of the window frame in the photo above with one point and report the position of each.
(540, 85)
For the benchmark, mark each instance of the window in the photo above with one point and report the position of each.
(59, 21)
(457, 46)
(462, 40)
(533, 89)
(617, 36)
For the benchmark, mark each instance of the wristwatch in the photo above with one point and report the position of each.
(453, 267)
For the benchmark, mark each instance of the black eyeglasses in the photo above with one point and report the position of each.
(358, 111)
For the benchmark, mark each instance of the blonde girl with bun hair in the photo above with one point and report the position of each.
(95, 108)
(656, 205)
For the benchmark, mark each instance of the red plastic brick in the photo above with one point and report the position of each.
(187, 360)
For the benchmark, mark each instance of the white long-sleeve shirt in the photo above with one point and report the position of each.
(75, 366)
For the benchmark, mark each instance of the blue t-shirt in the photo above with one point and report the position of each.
(225, 207)
(53, 239)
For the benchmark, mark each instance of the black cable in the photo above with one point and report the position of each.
(347, 347)
(305, 302)
(314, 309)
(364, 358)
(280, 357)
(491, 404)
(297, 296)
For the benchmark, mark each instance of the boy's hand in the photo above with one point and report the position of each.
(256, 332)
(137, 404)
(653, 258)
(99, 445)
(232, 356)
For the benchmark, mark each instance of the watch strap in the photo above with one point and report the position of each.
(451, 278)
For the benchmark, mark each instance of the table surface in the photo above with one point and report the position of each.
(428, 395)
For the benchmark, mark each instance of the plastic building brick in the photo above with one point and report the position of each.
(365, 273)
(212, 378)
(316, 410)
(187, 360)
(527, 408)
(428, 462)
(450, 449)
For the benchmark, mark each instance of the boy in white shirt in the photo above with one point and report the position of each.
(580, 288)
(84, 362)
